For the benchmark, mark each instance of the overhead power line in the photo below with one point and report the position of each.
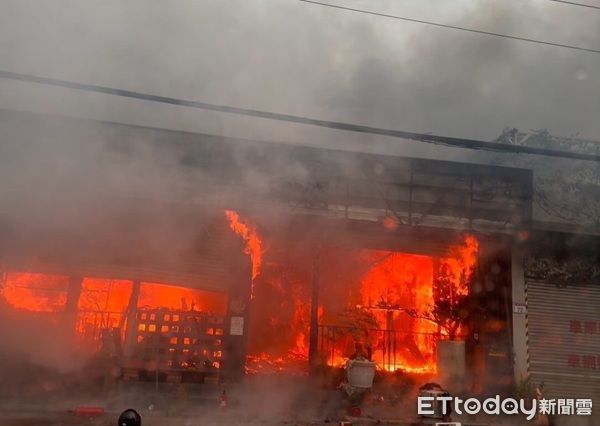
(432, 139)
(572, 3)
(452, 27)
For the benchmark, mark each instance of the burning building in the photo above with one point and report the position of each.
(196, 257)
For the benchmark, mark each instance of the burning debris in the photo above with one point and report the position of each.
(387, 305)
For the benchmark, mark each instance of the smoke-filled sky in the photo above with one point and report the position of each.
(292, 57)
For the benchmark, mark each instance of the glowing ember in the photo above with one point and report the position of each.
(264, 363)
(250, 236)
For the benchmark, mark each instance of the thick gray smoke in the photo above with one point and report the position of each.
(298, 58)
(292, 57)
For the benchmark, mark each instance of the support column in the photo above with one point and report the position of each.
(131, 322)
(235, 332)
(73, 294)
(519, 315)
(313, 349)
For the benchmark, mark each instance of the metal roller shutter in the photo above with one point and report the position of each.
(563, 324)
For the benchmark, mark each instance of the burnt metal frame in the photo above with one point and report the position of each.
(327, 340)
(511, 208)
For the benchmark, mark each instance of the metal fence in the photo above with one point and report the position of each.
(390, 349)
(91, 324)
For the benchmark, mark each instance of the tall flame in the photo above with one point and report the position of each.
(252, 239)
(396, 283)
(460, 264)
(399, 284)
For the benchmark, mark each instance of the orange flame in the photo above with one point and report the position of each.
(251, 238)
(104, 295)
(398, 284)
(102, 302)
(154, 295)
(300, 325)
(35, 292)
(460, 263)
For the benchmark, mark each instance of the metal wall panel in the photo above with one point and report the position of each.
(563, 324)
